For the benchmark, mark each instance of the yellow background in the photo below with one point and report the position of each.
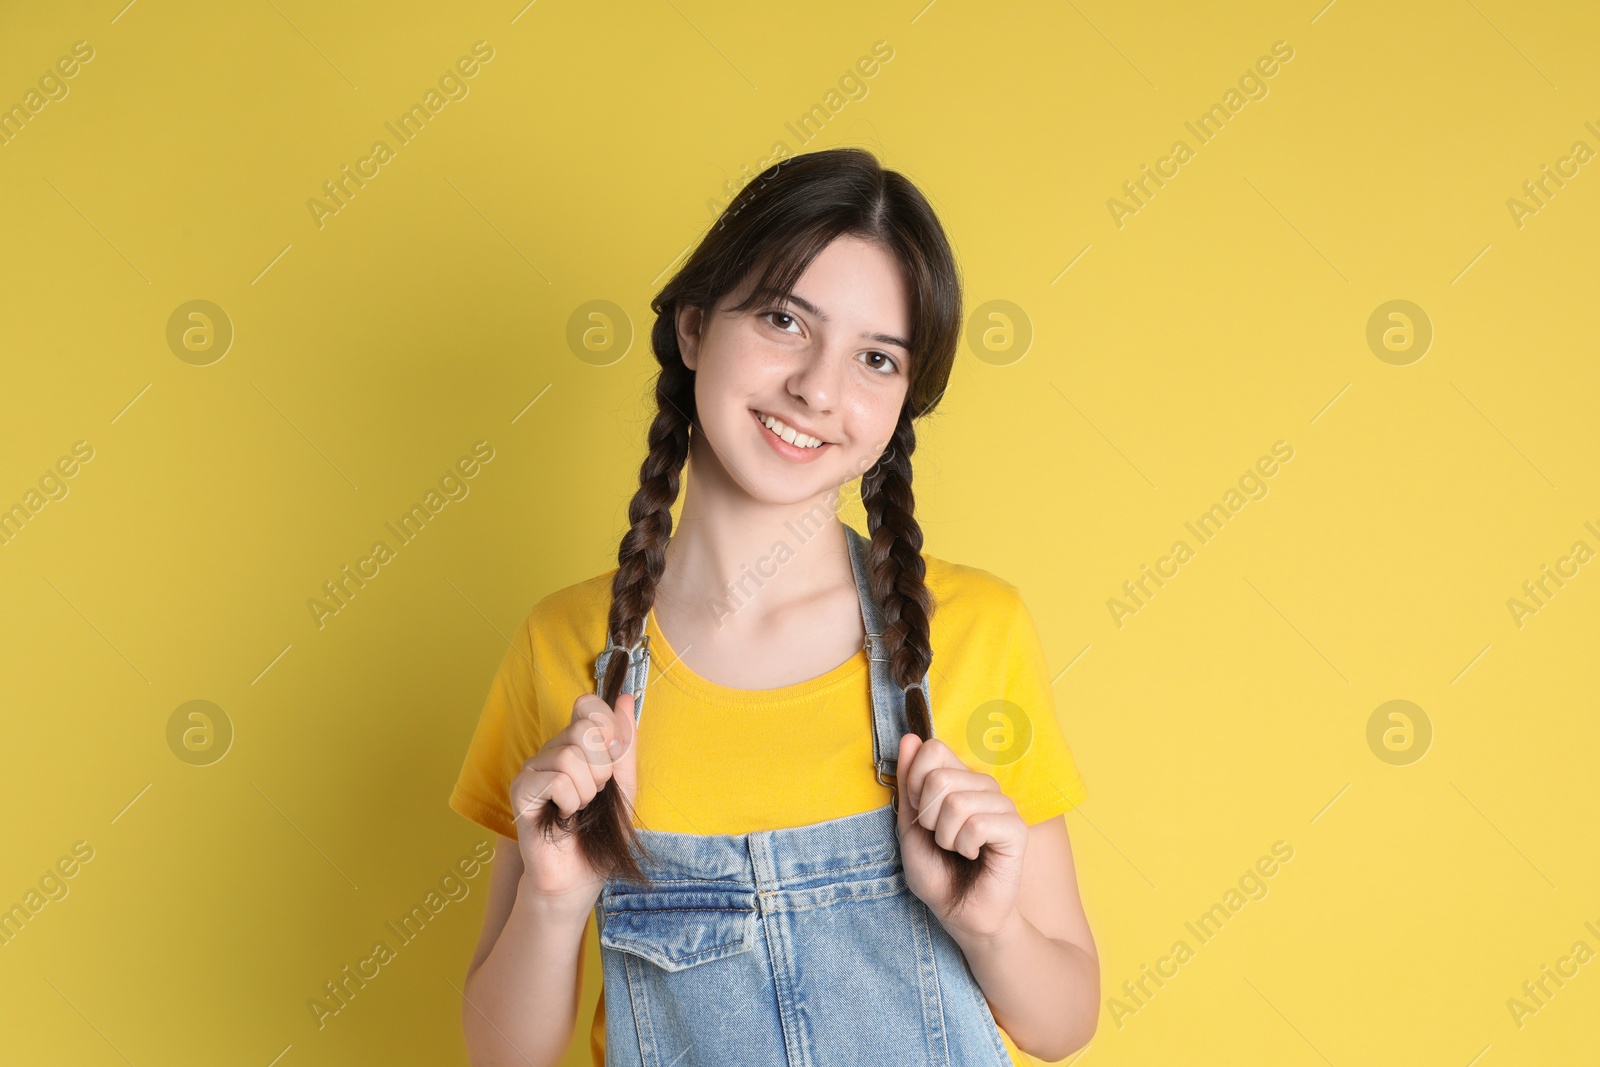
(1229, 313)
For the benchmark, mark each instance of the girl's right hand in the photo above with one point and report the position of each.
(569, 771)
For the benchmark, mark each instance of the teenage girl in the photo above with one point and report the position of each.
(836, 837)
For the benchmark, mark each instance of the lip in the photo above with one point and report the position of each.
(793, 453)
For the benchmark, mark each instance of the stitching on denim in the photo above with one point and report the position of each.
(620, 941)
(844, 900)
(807, 874)
(653, 911)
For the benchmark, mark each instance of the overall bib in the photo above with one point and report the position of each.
(796, 947)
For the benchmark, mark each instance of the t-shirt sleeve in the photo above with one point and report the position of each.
(1023, 740)
(597, 1029)
(508, 734)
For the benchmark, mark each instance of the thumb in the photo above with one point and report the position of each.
(910, 745)
(624, 748)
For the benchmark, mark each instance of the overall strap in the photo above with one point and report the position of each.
(638, 670)
(888, 700)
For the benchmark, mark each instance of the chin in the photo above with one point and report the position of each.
(771, 481)
(787, 491)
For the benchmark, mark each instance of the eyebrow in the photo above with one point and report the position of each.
(822, 316)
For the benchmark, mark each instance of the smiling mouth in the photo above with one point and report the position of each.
(788, 434)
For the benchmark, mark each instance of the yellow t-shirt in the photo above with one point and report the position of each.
(714, 760)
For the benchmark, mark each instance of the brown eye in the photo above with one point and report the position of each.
(888, 366)
(769, 315)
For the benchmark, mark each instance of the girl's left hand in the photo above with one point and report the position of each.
(944, 805)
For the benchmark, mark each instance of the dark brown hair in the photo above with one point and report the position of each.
(772, 230)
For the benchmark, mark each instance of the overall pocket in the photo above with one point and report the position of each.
(677, 929)
(685, 979)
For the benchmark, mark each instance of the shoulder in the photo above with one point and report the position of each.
(574, 615)
(576, 599)
(963, 590)
(975, 612)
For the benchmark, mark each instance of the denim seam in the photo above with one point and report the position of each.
(640, 1002)
(823, 870)
(621, 941)
(932, 998)
(655, 911)
(841, 900)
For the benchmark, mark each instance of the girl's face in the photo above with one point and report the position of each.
(798, 398)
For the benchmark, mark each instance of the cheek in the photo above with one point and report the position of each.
(735, 367)
(881, 406)
(873, 418)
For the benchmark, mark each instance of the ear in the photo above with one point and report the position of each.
(689, 323)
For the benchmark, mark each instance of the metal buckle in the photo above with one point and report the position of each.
(644, 664)
(643, 646)
(893, 782)
(875, 644)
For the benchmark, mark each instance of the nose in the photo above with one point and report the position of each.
(817, 380)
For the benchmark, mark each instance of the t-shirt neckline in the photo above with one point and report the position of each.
(664, 665)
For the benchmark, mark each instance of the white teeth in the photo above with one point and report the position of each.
(789, 433)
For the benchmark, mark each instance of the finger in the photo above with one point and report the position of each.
(930, 756)
(907, 776)
(940, 782)
(543, 788)
(626, 730)
(592, 739)
(929, 805)
(608, 737)
(904, 813)
(613, 731)
(624, 749)
(588, 712)
(982, 830)
(598, 729)
(587, 776)
(585, 704)
(956, 827)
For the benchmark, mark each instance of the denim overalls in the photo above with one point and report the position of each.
(795, 947)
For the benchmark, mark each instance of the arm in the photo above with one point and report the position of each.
(522, 985)
(521, 992)
(1041, 971)
(1022, 927)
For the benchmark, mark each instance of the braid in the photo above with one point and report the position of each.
(604, 828)
(897, 573)
(642, 555)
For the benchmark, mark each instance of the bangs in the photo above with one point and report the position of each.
(779, 270)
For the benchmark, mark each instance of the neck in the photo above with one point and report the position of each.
(729, 550)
